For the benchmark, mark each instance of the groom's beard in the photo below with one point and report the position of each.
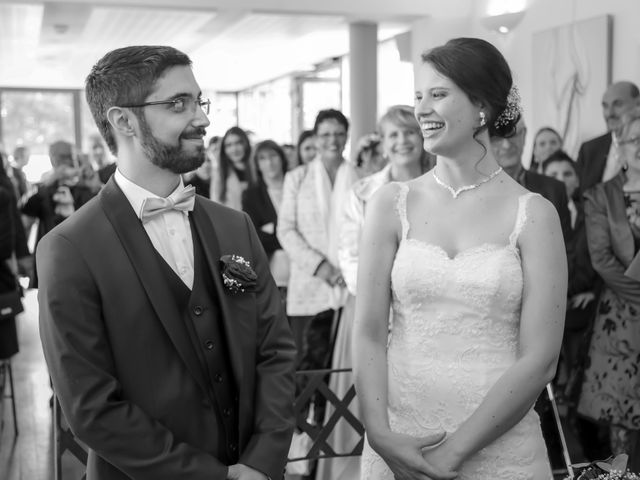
(169, 157)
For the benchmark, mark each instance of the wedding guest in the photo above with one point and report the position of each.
(16, 171)
(401, 143)
(200, 178)
(545, 142)
(308, 228)
(597, 159)
(262, 203)
(60, 194)
(611, 381)
(13, 246)
(369, 157)
(306, 147)
(583, 285)
(234, 173)
(291, 153)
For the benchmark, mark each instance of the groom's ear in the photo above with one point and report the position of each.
(122, 121)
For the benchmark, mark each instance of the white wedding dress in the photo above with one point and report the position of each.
(455, 331)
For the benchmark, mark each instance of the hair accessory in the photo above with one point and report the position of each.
(483, 118)
(513, 109)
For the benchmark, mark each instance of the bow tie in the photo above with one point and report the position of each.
(182, 201)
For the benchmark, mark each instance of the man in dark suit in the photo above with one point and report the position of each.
(162, 328)
(508, 152)
(597, 160)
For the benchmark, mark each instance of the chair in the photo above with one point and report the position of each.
(7, 373)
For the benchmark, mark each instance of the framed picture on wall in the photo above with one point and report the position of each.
(572, 68)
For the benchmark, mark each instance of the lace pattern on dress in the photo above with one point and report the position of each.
(521, 218)
(401, 208)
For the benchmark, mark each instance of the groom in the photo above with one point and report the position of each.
(162, 328)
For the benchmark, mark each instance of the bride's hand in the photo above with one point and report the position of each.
(403, 455)
(442, 457)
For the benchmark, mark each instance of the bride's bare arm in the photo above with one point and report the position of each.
(378, 247)
(544, 264)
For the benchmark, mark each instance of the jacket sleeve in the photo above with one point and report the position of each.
(350, 232)
(300, 252)
(77, 349)
(268, 447)
(600, 248)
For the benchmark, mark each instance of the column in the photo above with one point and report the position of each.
(363, 80)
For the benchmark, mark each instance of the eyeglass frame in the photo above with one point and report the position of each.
(201, 102)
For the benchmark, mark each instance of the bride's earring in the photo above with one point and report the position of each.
(483, 119)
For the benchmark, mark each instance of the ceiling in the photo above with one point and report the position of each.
(233, 44)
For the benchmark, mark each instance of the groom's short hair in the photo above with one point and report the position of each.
(126, 76)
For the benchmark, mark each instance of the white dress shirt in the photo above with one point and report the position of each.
(170, 232)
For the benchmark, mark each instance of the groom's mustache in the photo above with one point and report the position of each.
(194, 134)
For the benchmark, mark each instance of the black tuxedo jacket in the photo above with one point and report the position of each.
(257, 203)
(554, 191)
(592, 159)
(121, 360)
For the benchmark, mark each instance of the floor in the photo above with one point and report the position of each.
(30, 455)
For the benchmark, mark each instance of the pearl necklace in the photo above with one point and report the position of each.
(464, 188)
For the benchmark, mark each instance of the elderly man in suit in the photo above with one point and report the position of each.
(162, 328)
(508, 152)
(597, 159)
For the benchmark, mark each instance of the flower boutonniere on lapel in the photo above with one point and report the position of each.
(237, 274)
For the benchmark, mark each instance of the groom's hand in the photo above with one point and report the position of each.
(242, 472)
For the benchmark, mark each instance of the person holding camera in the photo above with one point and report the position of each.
(60, 194)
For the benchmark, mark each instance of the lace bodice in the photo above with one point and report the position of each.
(455, 331)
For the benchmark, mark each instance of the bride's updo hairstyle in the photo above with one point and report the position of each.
(481, 72)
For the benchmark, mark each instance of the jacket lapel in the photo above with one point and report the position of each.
(232, 325)
(142, 256)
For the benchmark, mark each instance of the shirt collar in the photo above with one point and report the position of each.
(136, 194)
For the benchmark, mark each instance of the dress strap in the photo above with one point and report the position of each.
(401, 208)
(521, 217)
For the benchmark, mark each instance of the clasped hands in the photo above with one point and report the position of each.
(425, 458)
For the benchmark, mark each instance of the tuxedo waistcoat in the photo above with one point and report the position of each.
(201, 315)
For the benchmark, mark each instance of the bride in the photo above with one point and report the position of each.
(474, 269)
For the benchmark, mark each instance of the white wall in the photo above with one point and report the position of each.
(518, 49)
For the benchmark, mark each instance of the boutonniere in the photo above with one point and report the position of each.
(237, 274)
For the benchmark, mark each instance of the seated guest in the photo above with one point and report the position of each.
(597, 159)
(611, 381)
(262, 202)
(306, 147)
(234, 173)
(583, 280)
(546, 142)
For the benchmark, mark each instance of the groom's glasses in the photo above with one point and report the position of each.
(180, 104)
